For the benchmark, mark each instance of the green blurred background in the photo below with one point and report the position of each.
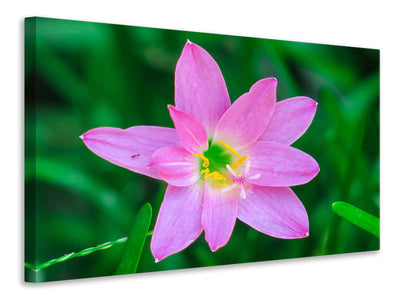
(81, 75)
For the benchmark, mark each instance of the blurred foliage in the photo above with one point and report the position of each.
(82, 75)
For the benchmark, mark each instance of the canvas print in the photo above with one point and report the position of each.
(152, 149)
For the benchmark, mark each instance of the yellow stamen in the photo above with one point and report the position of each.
(229, 148)
(215, 176)
(205, 171)
(241, 159)
(238, 162)
(203, 158)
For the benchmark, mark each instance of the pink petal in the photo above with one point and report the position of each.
(176, 166)
(280, 165)
(130, 148)
(219, 216)
(191, 133)
(200, 88)
(275, 211)
(290, 120)
(178, 222)
(244, 122)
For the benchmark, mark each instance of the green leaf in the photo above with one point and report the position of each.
(357, 216)
(134, 245)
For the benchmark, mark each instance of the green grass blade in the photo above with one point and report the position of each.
(73, 254)
(357, 216)
(134, 245)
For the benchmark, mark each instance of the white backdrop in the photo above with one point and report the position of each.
(361, 276)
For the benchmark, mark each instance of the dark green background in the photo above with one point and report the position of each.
(81, 75)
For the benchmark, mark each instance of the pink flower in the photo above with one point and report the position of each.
(222, 162)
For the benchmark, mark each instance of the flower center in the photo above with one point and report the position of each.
(216, 158)
(240, 180)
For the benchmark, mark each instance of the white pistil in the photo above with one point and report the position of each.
(242, 191)
(246, 169)
(254, 176)
(232, 171)
(240, 179)
(228, 188)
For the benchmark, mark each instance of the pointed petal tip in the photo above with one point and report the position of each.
(213, 248)
(312, 102)
(299, 233)
(271, 79)
(267, 82)
(303, 235)
(171, 107)
(316, 171)
(159, 256)
(81, 137)
(313, 105)
(192, 49)
(173, 110)
(189, 45)
(313, 169)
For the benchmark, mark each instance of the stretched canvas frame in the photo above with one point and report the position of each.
(85, 217)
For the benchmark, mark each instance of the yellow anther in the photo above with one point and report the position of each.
(205, 171)
(238, 162)
(215, 176)
(229, 148)
(204, 159)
